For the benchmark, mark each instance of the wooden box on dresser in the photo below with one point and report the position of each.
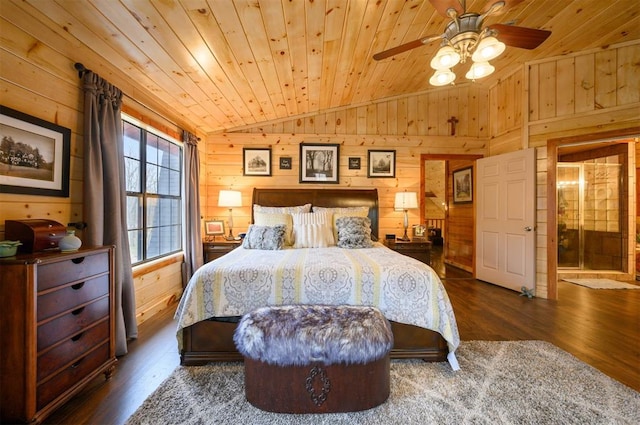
(57, 331)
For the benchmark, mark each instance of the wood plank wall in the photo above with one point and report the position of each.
(575, 95)
(421, 114)
(506, 105)
(411, 126)
(38, 78)
(583, 92)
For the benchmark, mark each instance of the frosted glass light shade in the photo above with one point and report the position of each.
(446, 58)
(479, 70)
(442, 78)
(230, 198)
(406, 201)
(489, 48)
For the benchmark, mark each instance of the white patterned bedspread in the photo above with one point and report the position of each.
(404, 289)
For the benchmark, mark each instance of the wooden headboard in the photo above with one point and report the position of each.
(321, 198)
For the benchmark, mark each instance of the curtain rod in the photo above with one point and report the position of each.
(82, 70)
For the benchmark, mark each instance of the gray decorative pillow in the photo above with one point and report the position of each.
(354, 232)
(265, 237)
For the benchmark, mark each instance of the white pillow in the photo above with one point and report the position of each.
(280, 210)
(338, 212)
(273, 219)
(312, 230)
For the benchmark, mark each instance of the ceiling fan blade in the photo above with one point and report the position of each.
(442, 6)
(405, 47)
(522, 37)
(508, 4)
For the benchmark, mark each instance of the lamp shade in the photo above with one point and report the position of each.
(479, 70)
(446, 58)
(406, 201)
(230, 198)
(442, 78)
(489, 48)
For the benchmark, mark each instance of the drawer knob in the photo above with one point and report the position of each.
(77, 286)
(77, 337)
(77, 260)
(77, 311)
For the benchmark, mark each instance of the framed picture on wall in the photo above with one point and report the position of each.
(463, 186)
(354, 163)
(257, 161)
(286, 163)
(34, 155)
(381, 164)
(319, 162)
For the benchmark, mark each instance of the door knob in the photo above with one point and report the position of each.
(528, 228)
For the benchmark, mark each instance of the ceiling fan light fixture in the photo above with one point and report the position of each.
(480, 70)
(489, 48)
(446, 58)
(442, 77)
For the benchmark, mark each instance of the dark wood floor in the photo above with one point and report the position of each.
(600, 327)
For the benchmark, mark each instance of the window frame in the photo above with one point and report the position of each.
(141, 256)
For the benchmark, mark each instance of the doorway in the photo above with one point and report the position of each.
(557, 151)
(449, 226)
(591, 214)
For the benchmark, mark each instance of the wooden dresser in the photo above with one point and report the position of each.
(57, 330)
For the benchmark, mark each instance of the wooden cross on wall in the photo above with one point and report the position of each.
(453, 121)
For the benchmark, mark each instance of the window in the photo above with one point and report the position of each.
(153, 170)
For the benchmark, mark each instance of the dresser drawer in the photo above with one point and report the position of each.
(71, 349)
(71, 323)
(69, 297)
(61, 272)
(69, 376)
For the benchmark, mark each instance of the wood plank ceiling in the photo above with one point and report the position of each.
(225, 65)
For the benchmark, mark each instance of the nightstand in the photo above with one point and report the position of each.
(420, 249)
(217, 249)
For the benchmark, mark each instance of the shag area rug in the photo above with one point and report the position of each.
(506, 382)
(603, 283)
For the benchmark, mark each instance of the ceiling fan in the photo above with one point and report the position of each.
(465, 36)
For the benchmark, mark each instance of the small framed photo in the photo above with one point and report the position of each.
(354, 163)
(257, 161)
(382, 163)
(34, 155)
(214, 227)
(463, 186)
(319, 162)
(286, 163)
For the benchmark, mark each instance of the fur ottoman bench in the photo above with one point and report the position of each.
(315, 358)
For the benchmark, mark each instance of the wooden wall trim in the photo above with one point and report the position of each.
(150, 267)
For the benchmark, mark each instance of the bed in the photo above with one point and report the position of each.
(408, 292)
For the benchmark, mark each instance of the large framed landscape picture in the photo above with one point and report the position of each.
(319, 162)
(34, 155)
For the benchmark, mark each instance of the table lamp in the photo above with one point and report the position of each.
(230, 199)
(406, 201)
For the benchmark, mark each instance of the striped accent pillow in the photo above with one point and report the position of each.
(312, 230)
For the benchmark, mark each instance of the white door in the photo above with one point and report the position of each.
(505, 219)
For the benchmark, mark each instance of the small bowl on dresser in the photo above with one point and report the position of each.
(9, 248)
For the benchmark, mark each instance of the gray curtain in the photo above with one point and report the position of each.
(105, 197)
(193, 248)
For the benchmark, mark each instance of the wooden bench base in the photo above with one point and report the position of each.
(212, 341)
(316, 388)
